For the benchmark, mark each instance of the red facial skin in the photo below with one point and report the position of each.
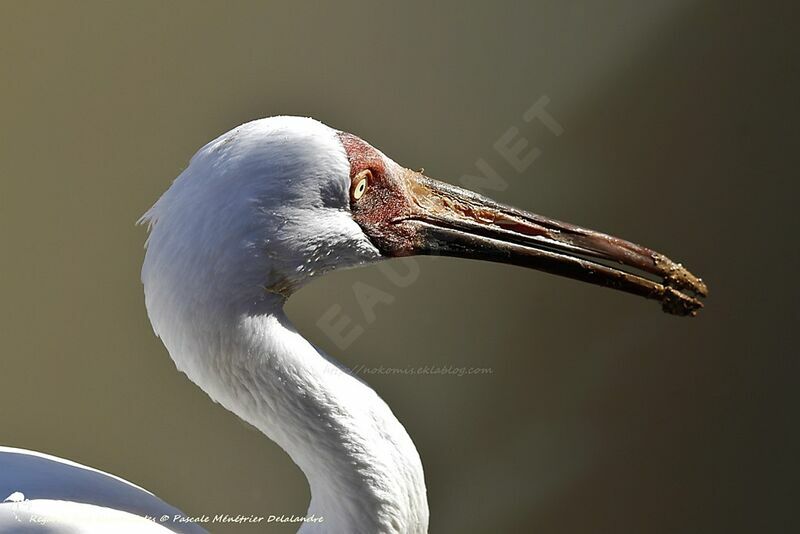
(387, 199)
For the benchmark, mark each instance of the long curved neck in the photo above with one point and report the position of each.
(363, 469)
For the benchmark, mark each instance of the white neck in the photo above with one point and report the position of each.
(364, 472)
(259, 212)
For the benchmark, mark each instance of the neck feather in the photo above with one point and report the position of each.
(364, 472)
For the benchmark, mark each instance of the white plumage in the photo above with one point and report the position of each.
(40, 493)
(258, 212)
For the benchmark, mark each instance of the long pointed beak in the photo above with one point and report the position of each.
(451, 221)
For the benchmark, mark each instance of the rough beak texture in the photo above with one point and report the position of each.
(447, 220)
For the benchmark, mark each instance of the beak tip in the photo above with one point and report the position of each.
(678, 276)
(676, 303)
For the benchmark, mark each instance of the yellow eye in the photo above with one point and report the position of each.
(360, 184)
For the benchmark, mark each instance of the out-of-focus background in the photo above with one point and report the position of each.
(601, 414)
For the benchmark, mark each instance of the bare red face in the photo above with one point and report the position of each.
(384, 200)
(405, 213)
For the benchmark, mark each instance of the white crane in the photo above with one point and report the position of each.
(275, 202)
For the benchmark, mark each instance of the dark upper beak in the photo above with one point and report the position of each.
(450, 221)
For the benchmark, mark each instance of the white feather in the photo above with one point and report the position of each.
(259, 212)
(46, 494)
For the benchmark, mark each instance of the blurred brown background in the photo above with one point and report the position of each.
(602, 414)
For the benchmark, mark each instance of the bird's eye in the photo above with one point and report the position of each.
(360, 184)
